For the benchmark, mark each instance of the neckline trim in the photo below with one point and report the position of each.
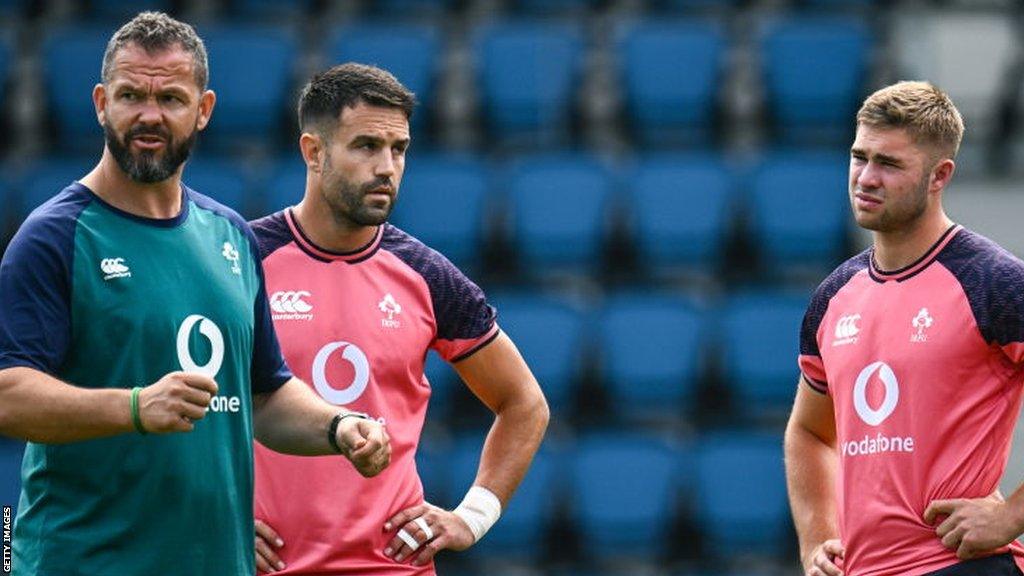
(172, 222)
(308, 246)
(916, 267)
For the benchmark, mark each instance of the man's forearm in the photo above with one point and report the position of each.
(511, 443)
(293, 420)
(811, 471)
(39, 408)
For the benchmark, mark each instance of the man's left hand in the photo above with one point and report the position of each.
(444, 530)
(973, 526)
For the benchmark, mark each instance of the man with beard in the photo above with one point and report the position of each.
(912, 361)
(137, 354)
(358, 304)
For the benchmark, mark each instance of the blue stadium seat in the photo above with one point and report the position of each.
(759, 337)
(521, 532)
(48, 177)
(10, 470)
(815, 73)
(683, 207)
(412, 52)
(548, 7)
(441, 201)
(406, 8)
(220, 179)
(434, 463)
(694, 5)
(270, 10)
(559, 203)
(444, 382)
(549, 333)
(672, 72)
(527, 72)
(13, 9)
(625, 488)
(799, 204)
(117, 11)
(286, 184)
(71, 68)
(740, 497)
(251, 70)
(651, 349)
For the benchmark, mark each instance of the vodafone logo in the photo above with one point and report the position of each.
(872, 416)
(213, 334)
(290, 305)
(360, 378)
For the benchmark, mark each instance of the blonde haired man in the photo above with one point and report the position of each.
(901, 426)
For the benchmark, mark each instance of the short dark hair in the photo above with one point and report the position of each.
(329, 92)
(155, 32)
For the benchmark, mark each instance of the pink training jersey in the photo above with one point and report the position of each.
(357, 328)
(924, 368)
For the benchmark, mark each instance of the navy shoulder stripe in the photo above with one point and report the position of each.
(818, 305)
(991, 278)
(272, 232)
(460, 308)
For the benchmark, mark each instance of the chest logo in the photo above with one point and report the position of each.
(391, 308)
(114, 268)
(360, 377)
(231, 255)
(847, 330)
(291, 305)
(213, 334)
(922, 322)
(875, 416)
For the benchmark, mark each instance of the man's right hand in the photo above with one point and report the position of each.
(821, 561)
(175, 402)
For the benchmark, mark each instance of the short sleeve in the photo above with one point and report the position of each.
(466, 321)
(35, 295)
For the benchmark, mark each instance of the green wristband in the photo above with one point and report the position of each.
(136, 418)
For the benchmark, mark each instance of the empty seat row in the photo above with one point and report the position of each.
(679, 211)
(528, 74)
(626, 495)
(650, 352)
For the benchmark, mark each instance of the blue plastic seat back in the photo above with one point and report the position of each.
(441, 201)
(560, 204)
(549, 334)
(673, 73)
(625, 488)
(800, 208)
(528, 71)
(759, 336)
(651, 348)
(741, 493)
(683, 206)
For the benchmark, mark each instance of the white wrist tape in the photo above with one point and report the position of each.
(480, 509)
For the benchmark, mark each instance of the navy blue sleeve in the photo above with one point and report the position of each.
(35, 288)
(460, 307)
(993, 281)
(269, 369)
(812, 371)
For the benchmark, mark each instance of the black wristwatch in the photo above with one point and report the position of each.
(332, 430)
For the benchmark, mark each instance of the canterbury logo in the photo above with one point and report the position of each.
(114, 268)
(289, 305)
(847, 330)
